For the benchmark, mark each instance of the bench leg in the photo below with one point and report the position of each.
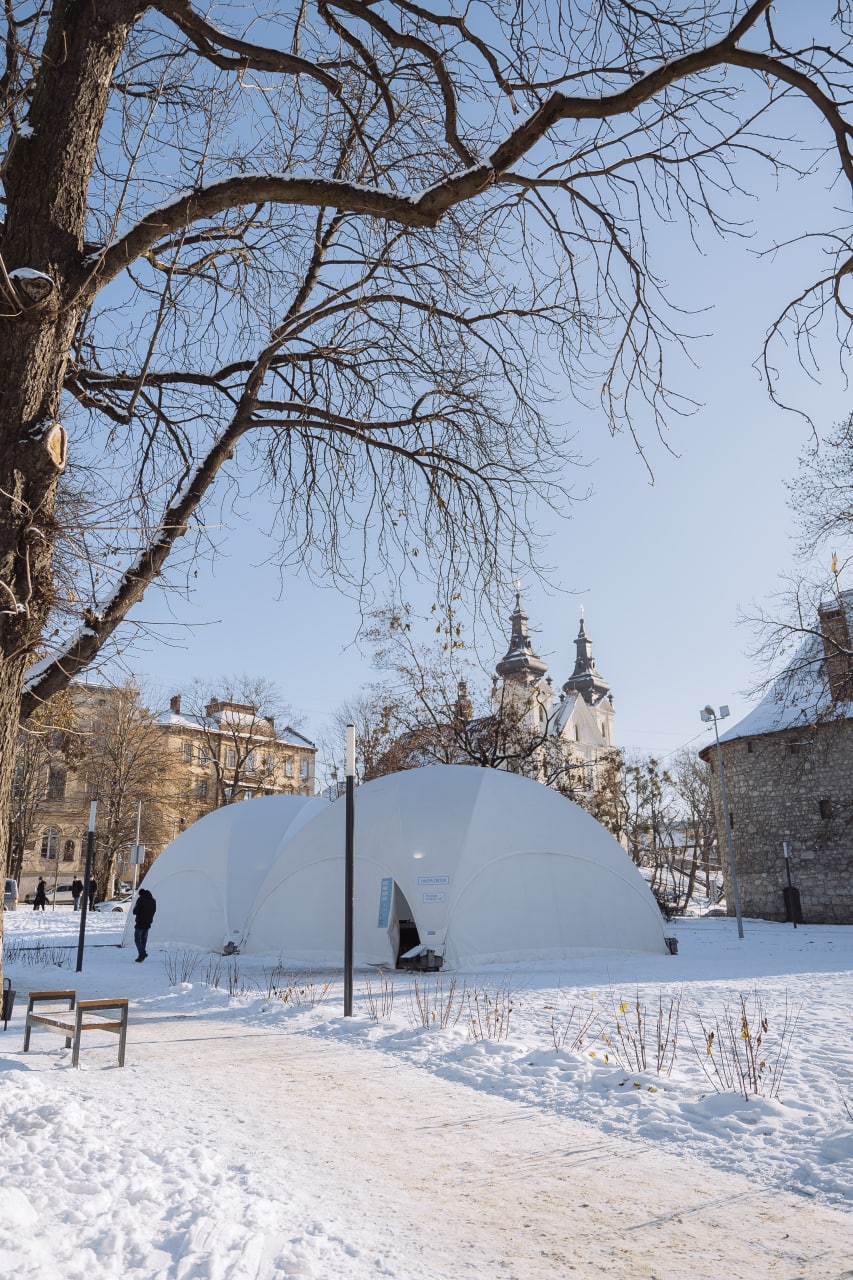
(122, 1038)
(27, 1030)
(78, 1028)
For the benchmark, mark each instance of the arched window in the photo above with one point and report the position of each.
(49, 842)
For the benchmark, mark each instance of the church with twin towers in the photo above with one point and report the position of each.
(576, 723)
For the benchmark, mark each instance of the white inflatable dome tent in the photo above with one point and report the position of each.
(475, 864)
(478, 865)
(206, 881)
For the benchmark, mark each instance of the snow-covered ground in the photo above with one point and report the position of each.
(256, 1132)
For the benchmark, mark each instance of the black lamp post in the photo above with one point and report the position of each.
(87, 876)
(349, 875)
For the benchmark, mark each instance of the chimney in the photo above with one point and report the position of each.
(175, 705)
(838, 652)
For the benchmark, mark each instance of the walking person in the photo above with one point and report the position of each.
(40, 900)
(93, 893)
(144, 910)
(76, 891)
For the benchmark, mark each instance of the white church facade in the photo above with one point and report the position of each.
(574, 727)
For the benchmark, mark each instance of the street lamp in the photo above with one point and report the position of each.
(87, 880)
(707, 714)
(349, 877)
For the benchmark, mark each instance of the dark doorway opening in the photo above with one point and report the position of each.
(409, 938)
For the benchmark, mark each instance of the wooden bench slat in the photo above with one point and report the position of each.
(38, 1020)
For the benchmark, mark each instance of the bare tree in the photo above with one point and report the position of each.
(433, 706)
(236, 718)
(126, 763)
(48, 740)
(375, 713)
(804, 639)
(338, 255)
(697, 846)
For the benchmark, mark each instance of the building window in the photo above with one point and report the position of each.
(204, 755)
(288, 767)
(731, 821)
(749, 748)
(49, 842)
(269, 763)
(825, 807)
(188, 752)
(202, 788)
(68, 851)
(304, 767)
(55, 784)
(250, 762)
(230, 758)
(577, 733)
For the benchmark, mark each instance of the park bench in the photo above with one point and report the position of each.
(74, 1016)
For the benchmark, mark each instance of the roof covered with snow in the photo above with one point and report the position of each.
(801, 695)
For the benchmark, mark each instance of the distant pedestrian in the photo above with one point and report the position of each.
(93, 893)
(40, 900)
(144, 911)
(76, 891)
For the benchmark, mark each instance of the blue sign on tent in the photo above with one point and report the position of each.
(385, 895)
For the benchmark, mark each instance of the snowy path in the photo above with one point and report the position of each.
(250, 1139)
(364, 1174)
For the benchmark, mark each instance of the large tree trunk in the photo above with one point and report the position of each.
(47, 179)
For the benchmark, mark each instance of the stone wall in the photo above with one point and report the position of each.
(794, 786)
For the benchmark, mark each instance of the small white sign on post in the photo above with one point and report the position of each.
(137, 855)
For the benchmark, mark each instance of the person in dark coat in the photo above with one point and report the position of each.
(76, 891)
(144, 910)
(40, 900)
(93, 893)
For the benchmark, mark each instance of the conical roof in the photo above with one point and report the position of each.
(585, 680)
(520, 662)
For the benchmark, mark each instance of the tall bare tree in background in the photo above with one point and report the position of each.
(664, 818)
(337, 255)
(237, 716)
(125, 764)
(50, 739)
(808, 626)
(434, 706)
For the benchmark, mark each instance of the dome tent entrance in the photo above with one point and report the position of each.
(486, 865)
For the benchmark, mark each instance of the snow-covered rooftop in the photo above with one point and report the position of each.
(801, 695)
(287, 735)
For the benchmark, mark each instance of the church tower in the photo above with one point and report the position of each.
(522, 672)
(520, 663)
(585, 682)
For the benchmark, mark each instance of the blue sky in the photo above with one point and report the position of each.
(663, 570)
